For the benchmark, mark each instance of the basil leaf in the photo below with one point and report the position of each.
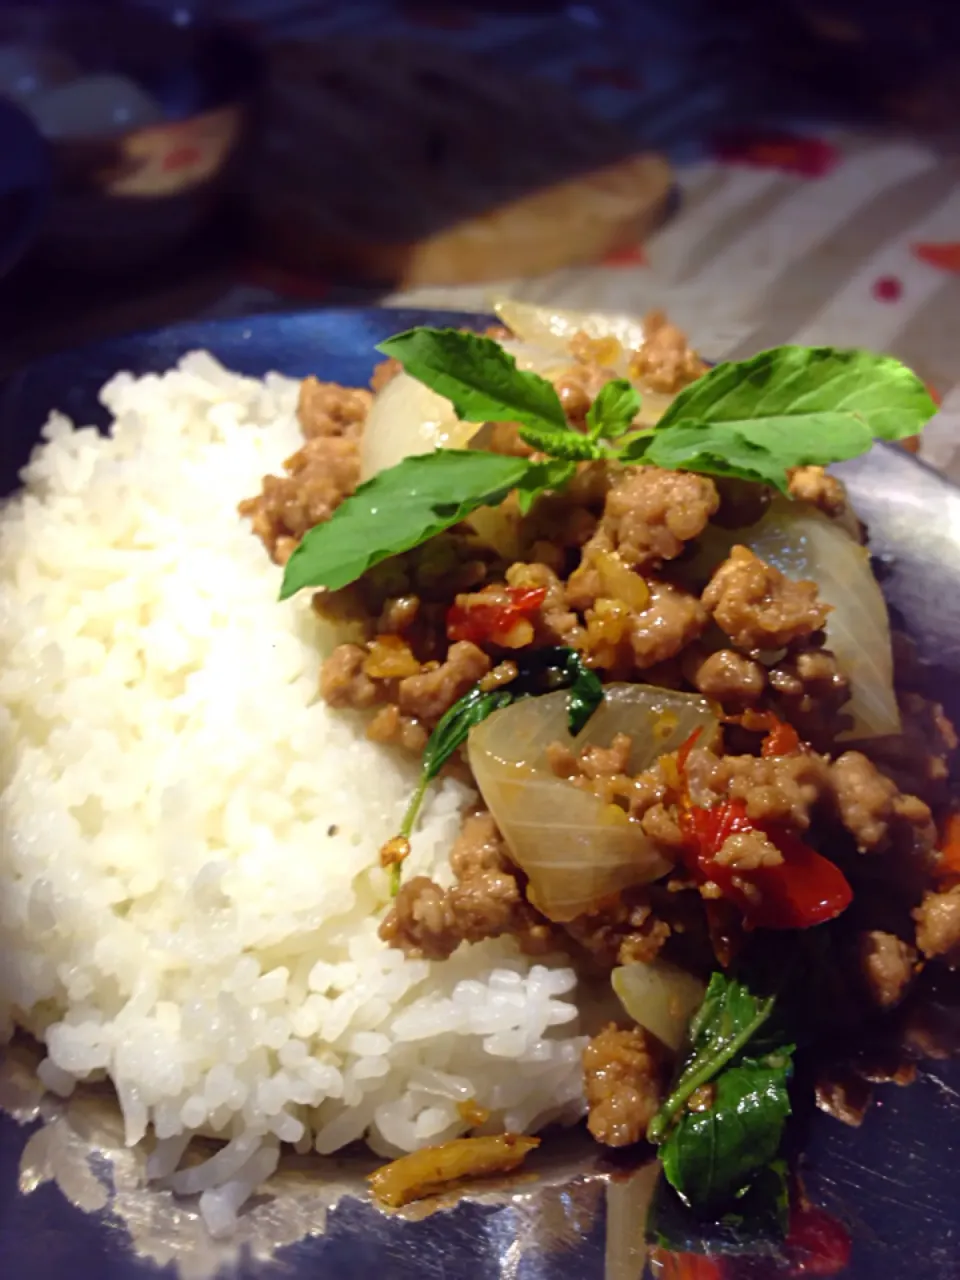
(569, 445)
(398, 509)
(714, 1150)
(455, 724)
(807, 389)
(478, 377)
(787, 407)
(539, 671)
(713, 1154)
(586, 693)
(613, 410)
(543, 477)
(726, 1021)
(751, 452)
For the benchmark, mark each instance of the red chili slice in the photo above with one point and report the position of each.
(818, 1245)
(781, 739)
(805, 889)
(490, 622)
(667, 1265)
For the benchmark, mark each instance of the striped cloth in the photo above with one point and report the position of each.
(786, 231)
(864, 251)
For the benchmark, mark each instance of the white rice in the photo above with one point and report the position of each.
(189, 884)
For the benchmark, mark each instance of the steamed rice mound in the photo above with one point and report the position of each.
(191, 887)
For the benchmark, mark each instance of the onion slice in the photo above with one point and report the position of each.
(576, 850)
(660, 998)
(407, 418)
(552, 328)
(802, 542)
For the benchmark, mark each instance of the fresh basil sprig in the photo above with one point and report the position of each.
(788, 407)
(479, 378)
(538, 671)
(399, 509)
(753, 419)
(724, 1118)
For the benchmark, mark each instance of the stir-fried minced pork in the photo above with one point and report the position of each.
(623, 1080)
(938, 925)
(650, 514)
(486, 901)
(870, 804)
(428, 695)
(625, 567)
(319, 475)
(725, 675)
(819, 487)
(665, 361)
(809, 690)
(666, 625)
(758, 607)
(888, 965)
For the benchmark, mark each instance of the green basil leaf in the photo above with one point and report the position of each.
(713, 1154)
(750, 452)
(569, 445)
(808, 390)
(398, 509)
(543, 477)
(538, 671)
(716, 451)
(454, 725)
(714, 1150)
(729, 1017)
(586, 693)
(787, 407)
(613, 410)
(478, 377)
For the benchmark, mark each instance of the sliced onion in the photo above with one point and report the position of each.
(576, 850)
(551, 329)
(659, 997)
(407, 418)
(804, 543)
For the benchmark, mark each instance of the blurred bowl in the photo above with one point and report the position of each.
(142, 117)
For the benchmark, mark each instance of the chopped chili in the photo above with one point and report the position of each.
(817, 1244)
(805, 889)
(781, 738)
(667, 1265)
(949, 864)
(502, 619)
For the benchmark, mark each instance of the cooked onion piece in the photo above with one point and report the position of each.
(551, 329)
(660, 998)
(575, 849)
(804, 543)
(407, 418)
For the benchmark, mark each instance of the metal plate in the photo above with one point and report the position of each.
(71, 1205)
